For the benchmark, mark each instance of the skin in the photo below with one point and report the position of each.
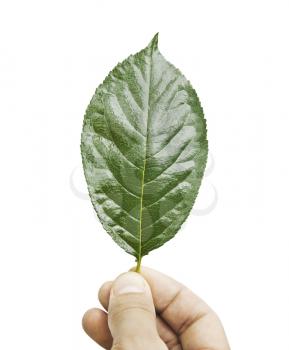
(152, 311)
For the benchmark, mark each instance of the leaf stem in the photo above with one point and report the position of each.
(137, 269)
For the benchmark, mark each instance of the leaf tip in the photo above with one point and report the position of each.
(153, 45)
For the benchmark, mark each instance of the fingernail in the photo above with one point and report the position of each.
(130, 282)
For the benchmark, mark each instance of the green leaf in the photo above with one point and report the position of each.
(144, 151)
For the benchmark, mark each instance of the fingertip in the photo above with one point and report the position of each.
(146, 271)
(129, 282)
(133, 269)
(94, 323)
(104, 293)
(90, 317)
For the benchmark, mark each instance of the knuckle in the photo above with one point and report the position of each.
(136, 312)
(124, 306)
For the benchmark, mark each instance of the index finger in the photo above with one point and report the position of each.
(189, 316)
(176, 304)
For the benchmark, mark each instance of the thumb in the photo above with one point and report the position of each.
(131, 314)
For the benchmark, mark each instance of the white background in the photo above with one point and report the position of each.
(54, 254)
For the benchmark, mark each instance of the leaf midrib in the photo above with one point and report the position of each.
(144, 162)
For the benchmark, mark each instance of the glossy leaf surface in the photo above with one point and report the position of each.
(144, 150)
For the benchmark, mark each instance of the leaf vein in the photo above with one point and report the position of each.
(170, 165)
(129, 121)
(173, 188)
(116, 223)
(165, 214)
(113, 200)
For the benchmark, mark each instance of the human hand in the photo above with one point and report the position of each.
(151, 311)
